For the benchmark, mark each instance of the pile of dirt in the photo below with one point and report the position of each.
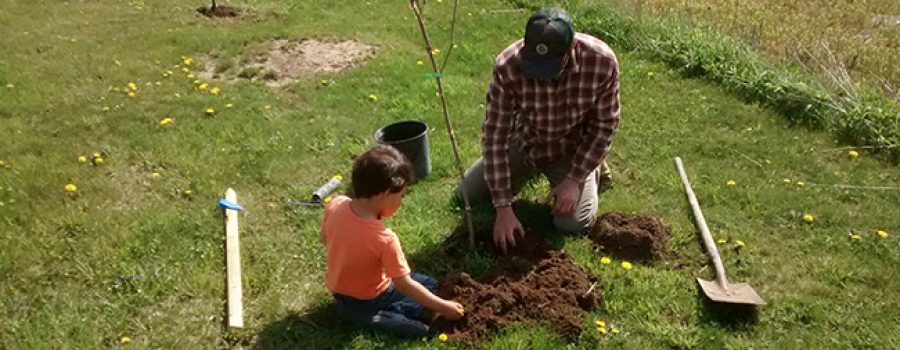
(219, 11)
(531, 283)
(631, 236)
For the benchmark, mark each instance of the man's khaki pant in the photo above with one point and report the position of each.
(585, 210)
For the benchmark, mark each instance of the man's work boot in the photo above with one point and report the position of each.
(604, 177)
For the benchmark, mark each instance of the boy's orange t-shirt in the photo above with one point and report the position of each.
(363, 255)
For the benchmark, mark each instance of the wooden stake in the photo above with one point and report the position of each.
(233, 264)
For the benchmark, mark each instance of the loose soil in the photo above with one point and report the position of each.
(532, 283)
(283, 61)
(631, 236)
(220, 11)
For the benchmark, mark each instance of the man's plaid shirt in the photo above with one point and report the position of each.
(574, 116)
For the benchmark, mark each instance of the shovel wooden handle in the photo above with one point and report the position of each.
(704, 230)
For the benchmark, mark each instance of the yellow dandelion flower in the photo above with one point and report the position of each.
(439, 1)
(202, 86)
(197, 82)
(96, 155)
(185, 69)
(787, 181)
(469, 14)
(10, 86)
(651, 74)
(131, 94)
(373, 98)
(190, 76)
(435, 51)
(2, 163)
(229, 105)
(740, 243)
(105, 109)
(98, 160)
(327, 199)
(881, 233)
(177, 95)
(442, 337)
(420, 63)
(124, 340)
(731, 183)
(165, 122)
(70, 188)
(188, 192)
(338, 177)
(267, 107)
(605, 260)
(800, 183)
(156, 175)
(626, 265)
(188, 61)
(117, 62)
(767, 161)
(455, 46)
(855, 237)
(210, 111)
(601, 330)
(600, 323)
(132, 86)
(615, 330)
(809, 218)
(853, 154)
(158, 83)
(82, 159)
(722, 241)
(215, 91)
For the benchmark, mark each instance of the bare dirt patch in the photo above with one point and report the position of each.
(532, 284)
(283, 61)
(631, 236)
(220, 11)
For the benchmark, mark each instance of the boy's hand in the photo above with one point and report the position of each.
(451, 310)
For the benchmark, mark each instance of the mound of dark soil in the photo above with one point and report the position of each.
(219, 11)
(530, 283)
(631, 236)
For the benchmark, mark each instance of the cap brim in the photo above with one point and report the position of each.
(545, 69)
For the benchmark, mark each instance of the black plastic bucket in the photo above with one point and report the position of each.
(410, 138)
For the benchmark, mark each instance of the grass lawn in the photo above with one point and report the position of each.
(861, 36)
(141, 256)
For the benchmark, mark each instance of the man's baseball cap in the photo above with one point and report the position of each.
(549, 35)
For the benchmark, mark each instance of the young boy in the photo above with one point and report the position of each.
(366, 270)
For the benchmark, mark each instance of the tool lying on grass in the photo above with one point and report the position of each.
(320, 196)
(720, 290)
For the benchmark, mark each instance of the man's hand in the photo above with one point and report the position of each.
(451, 310)
(505, 228)
(565, 197)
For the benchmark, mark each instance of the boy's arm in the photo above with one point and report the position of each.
(416, 291)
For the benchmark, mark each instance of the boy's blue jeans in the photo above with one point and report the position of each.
(390, 311)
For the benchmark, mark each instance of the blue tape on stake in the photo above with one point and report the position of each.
(227, 204)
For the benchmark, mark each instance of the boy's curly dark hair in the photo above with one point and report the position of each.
(382, 168)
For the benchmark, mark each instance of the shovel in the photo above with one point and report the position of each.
(720, 290)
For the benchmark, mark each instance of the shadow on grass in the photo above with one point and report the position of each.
(319, 328)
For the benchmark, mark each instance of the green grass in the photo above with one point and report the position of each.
(135, 256)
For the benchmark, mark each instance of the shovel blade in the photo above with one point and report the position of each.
(737, 293)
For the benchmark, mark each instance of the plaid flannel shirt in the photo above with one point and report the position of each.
(574, 116)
